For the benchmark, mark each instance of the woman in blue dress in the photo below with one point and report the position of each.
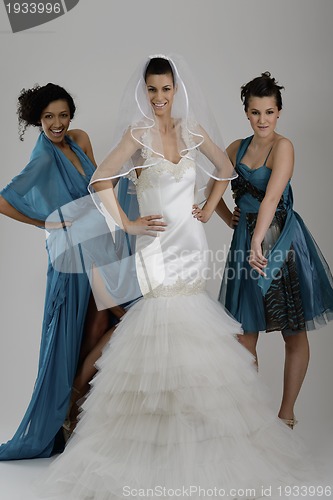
(59, 171)
(276, 278)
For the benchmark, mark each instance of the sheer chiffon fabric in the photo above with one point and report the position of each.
(48, 182)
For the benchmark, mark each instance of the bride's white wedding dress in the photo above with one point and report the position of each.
(177, 402)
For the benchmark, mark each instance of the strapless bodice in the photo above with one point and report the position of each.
(174, 261)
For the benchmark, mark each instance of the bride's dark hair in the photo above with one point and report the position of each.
(159, 66)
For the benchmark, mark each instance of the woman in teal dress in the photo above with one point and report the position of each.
(276, 278)
(59, 171)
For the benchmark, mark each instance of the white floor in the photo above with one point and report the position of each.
(17, 477)
(314, 410)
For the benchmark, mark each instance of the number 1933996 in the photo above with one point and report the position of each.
(33, 8)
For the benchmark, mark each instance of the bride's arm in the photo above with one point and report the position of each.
(222, 210)
(215, 188)
(204, 214)
(218, 157)
(103, 186)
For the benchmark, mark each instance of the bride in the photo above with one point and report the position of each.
(176, 408)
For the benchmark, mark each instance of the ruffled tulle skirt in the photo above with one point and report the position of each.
(176, 407)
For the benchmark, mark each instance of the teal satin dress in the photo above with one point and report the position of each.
(48, 182)
(297, 292)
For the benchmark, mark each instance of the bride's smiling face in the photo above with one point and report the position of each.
(161, 91)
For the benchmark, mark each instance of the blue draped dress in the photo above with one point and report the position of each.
(48, 182)
(297, 293)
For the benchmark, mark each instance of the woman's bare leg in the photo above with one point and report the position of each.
(88, 368)
(296, 363)
(96, 325)
(97, 332)
(249, 340)
(83, 377)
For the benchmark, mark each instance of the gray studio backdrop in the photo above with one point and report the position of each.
(92, 51)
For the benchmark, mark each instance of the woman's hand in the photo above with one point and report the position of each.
(202, 214)
(256, 260)
(149, 225)
(234, 219)
(49, 225)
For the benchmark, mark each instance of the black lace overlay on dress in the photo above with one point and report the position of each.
(241, 186)
(282, 302)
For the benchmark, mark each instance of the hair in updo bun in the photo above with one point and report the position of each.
(32, 102)
(262, 86)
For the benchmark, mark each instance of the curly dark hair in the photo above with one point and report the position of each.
(262, 86)
(159, 66)
(32, 102)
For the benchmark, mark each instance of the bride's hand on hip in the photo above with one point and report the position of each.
(149, 225)
(201, 214)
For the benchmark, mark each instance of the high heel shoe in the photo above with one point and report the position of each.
(71, 417)
(290, 422)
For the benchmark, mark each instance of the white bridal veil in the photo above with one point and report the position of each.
(95, 242)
